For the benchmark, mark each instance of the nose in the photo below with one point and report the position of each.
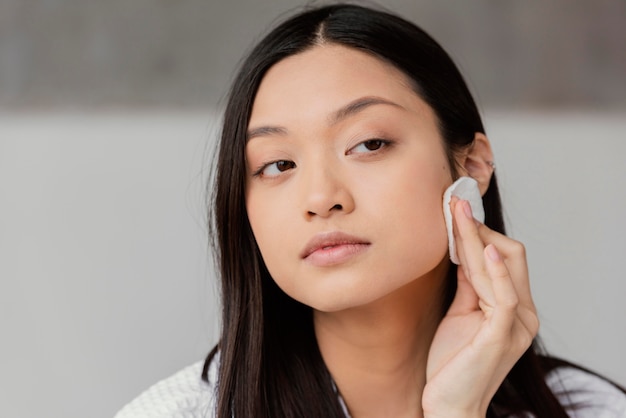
(325, 192)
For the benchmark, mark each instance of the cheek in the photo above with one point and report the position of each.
(267, 219)
(428, 239)
(261, 214)
(413, 215)
(424, 233)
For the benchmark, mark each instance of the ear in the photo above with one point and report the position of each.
(477, 162)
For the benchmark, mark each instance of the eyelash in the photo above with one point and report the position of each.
(384, 143)
(259, 171)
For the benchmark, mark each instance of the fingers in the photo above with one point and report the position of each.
(515, 324)
(470, 249)
(514, 255)
(473, 237)
(503, 289)
(495, 265)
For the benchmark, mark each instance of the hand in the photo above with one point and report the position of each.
(490, 324)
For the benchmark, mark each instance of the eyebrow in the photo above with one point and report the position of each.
(337, 116)
(357, 106)
(266, 130)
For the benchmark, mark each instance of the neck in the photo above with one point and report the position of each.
(377, 353)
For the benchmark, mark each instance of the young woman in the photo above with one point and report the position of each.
(344, 127)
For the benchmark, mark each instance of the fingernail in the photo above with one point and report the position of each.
(493, 253)
(467, 209)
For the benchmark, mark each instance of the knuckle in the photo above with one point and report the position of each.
(534, 325)
(525, 340)
(519, 248)
(530, 326)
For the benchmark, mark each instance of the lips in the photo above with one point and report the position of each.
(333, 248)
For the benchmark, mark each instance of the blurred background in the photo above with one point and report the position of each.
(108, 116)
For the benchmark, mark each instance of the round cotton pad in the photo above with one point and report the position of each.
(465, 188)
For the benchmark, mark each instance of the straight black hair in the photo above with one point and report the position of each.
(270, 364)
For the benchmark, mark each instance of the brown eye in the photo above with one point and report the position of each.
(275, 168)
(371, 145)
(284, 165)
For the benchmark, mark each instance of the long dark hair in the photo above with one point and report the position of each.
(270, 364)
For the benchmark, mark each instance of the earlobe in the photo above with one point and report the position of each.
(478, 162)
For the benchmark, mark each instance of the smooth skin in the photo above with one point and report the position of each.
(339, 143)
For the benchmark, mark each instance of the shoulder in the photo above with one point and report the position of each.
(586, 394)
(182, 395)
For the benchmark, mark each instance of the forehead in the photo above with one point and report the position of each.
(325, 77)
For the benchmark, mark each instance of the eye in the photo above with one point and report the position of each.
(274, 169)
(371, 145)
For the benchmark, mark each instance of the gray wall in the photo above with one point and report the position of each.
(182, 53)
(107, 117)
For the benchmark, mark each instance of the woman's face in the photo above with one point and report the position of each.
(346, 172)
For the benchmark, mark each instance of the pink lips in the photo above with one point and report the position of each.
(332, 248)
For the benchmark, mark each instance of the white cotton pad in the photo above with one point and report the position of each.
(465, 188)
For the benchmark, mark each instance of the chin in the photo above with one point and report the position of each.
(348, 299)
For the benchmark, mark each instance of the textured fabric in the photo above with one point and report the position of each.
(592, 396)
(186, 395)
(182, 395)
